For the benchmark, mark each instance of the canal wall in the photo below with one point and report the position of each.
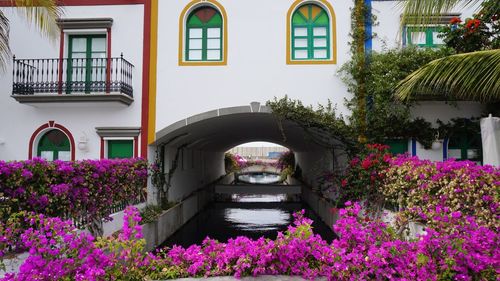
(171, 220)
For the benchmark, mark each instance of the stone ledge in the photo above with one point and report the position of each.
(74, 98)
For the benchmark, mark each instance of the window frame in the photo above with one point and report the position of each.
(310, 37)
(429, 35)
(54, 150)
(204, 38)
(332, 33)
(107, 142)
(186, 12)
(89, 36)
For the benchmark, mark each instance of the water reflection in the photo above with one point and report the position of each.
(257, 220)
(256, 198)
(253, 216)
(259, 178)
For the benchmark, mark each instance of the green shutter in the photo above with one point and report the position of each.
(429, 38)
(397, 146)
(310, 33)
(54, 142)
(469, 146)
(81, 67)
(120, 149)
(204, 35)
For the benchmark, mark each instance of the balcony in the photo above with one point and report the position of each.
(96, 80)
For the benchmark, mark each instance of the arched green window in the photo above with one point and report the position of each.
(204, 35)
(466, 146)
(310, 33)
(54, 145)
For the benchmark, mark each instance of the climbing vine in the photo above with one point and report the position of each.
(323, 125)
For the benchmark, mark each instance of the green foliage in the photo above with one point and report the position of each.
(323, 125)
(481, 32)
(386, 117)
(152, 212)
(230, 163)
(471, 76)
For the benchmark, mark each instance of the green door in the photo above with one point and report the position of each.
(54, 145)
(87, 60)
(397, 146)
(120, 149)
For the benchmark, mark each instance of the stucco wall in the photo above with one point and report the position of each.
(19, 121)
(256, 69)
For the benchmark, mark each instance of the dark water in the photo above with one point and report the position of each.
(252, 216)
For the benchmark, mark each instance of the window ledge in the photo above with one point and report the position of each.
(74, 98)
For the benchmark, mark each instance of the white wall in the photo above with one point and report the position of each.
(19, 121)
(195, 169)
(256, 69)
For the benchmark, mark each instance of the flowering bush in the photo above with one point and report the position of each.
(425, 189)
(365, 250)
(362, 178)
(82, 189)
(481, 32)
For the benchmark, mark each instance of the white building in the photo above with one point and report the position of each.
(203, 70)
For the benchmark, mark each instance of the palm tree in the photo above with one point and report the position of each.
(41, 13)
(471, 76)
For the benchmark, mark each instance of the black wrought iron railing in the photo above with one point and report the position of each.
(67, 76)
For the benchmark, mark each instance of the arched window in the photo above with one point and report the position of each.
(54, 145)
(204, 35)
(310, 33)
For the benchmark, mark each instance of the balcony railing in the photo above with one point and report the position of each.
(67, 76)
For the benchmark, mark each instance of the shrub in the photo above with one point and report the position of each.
(83, 189)
(424, 189)
(362, 179)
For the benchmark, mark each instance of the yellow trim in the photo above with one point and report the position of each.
(182, 22)
(333, 24)
(152, 72)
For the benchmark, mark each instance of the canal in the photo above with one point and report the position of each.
(253, 216)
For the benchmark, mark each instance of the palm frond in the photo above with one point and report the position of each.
(421, 12)
(471, 76)
(4, 41)
(42, 13)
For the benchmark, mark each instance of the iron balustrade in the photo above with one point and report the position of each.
(76, 75)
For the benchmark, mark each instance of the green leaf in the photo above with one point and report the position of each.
(472, 76)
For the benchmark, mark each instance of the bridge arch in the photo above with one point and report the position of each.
(195, 146)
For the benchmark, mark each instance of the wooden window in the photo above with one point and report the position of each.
(54, 145)
(466, 146)
(204, 35)
(425, 37)
(397, 146)
(87, 59)
(120, 149)
(310, 33)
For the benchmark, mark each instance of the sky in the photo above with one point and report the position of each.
(259, 144)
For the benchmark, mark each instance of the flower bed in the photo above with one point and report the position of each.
(83, 191)
(365, 250)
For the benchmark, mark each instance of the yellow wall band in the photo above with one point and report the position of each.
(152, 72)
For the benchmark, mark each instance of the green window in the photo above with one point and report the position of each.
(86, 62)
(204, 35)
(426, 37)
(397, 146)
(466, 147)
(310, 33)
(54, 145)
(120, 149)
